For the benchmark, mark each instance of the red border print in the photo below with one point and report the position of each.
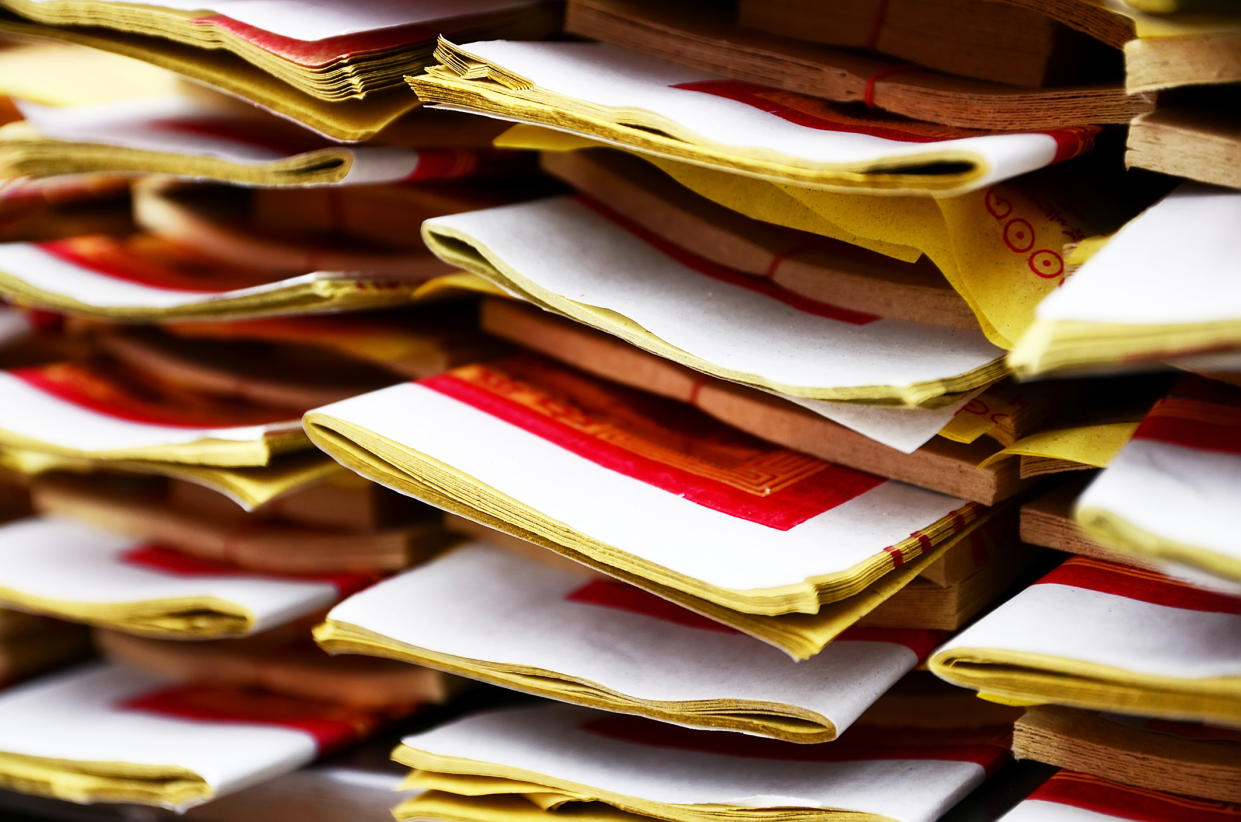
(321, 53)
(668, 445)
(1197, 413)
(811, 112)
(1145, 586)
(331, 726)
(151, 261)
(173, 562)
(95, 391)
(983, 747)
(1122, 801)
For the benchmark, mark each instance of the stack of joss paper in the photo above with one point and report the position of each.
(184, 276)
(749, 387)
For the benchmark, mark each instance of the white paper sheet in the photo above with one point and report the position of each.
(480, 603)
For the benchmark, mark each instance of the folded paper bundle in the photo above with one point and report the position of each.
(814, 266)
(971, 574)
(1183, 758)
(822, 538)
(103, 732)
(189, 137)
(551, 758)
(1001, 246)
(248, 486)
(567, 634)
(141, 277)
(325, 52)
(1196, 139)
(1167, 497)
(311, 66)
(668, 111)
(1173, 265)
(103, 412)
(579, 258)
(64, 569)
(1189, 47)
(1070, 640)
(1070, 796)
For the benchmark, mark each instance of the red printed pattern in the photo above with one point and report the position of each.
(331, 726)
(1124, 802)
(169, 561)
(1145, 586)
(95, 392)
(813, 487)
(322, 53)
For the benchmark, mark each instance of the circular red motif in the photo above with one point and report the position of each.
(997, 206)
(1047, 264)
(1019, 235)
(975, 406)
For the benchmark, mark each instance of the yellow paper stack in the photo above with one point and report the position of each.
(729, 412)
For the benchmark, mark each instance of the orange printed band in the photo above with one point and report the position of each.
(661, 442)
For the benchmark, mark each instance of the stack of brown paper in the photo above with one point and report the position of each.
(1176, 757)
(704, 36)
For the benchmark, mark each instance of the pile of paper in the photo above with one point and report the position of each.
(763, 411)
(538, 761)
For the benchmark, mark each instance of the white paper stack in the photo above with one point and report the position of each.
(567, 634)
(64, 569)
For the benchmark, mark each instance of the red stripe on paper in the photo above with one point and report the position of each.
(1071, 142)
(331, 726)
(146, 272)
(715, 271)
(1141, 585)
(1094, 794)
(409, 39)
(175, 563)
(860, 744)
(93, 392)
(1222, 438)
(823, 116)
(1197, 413)
(827, 487)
